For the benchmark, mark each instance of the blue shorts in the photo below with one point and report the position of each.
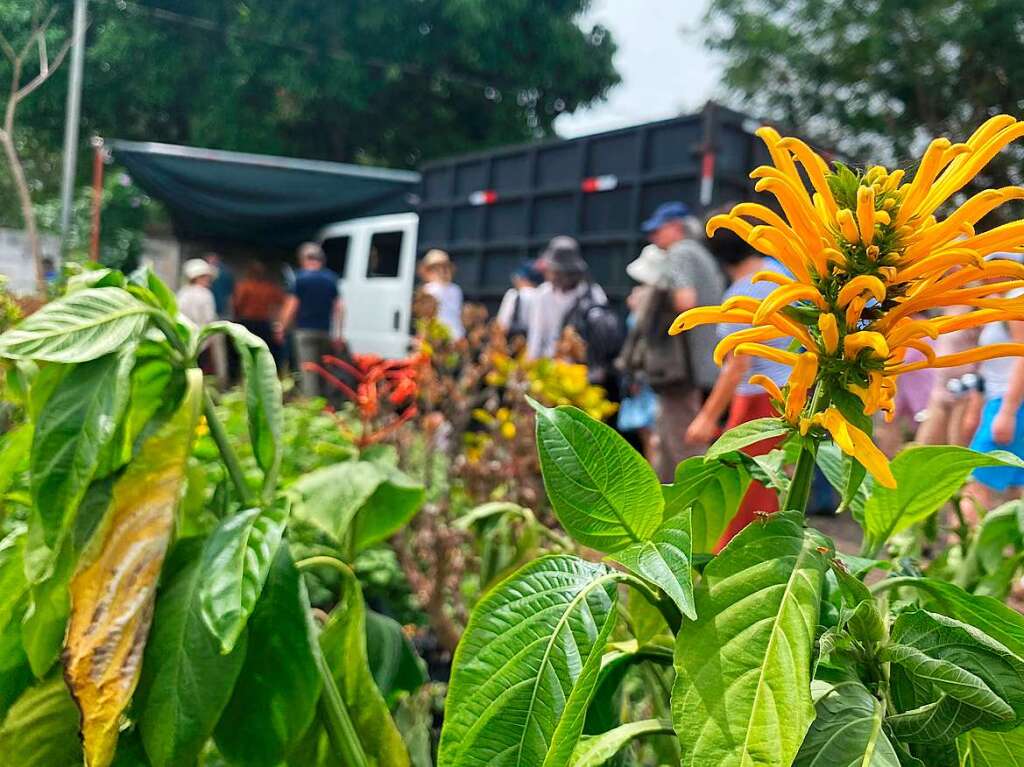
(998, 478)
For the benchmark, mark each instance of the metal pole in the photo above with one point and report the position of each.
(72, 119)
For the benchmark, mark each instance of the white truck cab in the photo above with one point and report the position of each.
(375, 259)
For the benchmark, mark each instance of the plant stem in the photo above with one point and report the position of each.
(332, 706)
(337, 720)
(227, 453)
(800, 487)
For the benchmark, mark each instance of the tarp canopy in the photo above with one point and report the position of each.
(259, 199)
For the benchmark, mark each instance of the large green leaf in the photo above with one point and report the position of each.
(343, 643)
(596, 750)
(15, 447)
(358, 502)
(605, 493)
(713, 490)
(846, 476)
(236, 560)
(746, 434)
(526, 667)
(742, 692)
(926, 478)
(41, 728)
(186, 682)
(948, 677)
(262, 394)
(988, 615)
(664, 560)
(984, 748)
(847, 731)
(80, 418)
(79, 327)
(275, 697)
(15, 673)
(393, 661)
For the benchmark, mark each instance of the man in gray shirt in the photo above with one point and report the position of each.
(679, 368)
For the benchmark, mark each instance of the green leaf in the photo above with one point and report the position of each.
(186, 682)
(847, 730)
(236, 560)
(262, 395)
(162, 297)
(983, 748)
(79, 327)
(604, 493)
(988, 615)
(357, 501)
(14, 453)
(842, 473)
(746, 434)
(343, 643)
(665, 561)
(596, 750)
(526, 667)
(926, 478)
(742, 691)
(393, 661)
(276, 693)
(1000, 528)
(329, 498)
(15, 673)
(713, 490)
(41, 728)
(948, 677)
(73, 430)
(395, 501)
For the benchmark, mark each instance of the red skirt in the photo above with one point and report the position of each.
(747, 407)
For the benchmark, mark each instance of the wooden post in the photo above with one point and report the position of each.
(97, 197)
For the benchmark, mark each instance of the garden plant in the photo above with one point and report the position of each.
(777, 650)
(152, 611)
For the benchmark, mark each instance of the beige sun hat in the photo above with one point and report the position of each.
(435, 257)
(650, 268)
(195, 268)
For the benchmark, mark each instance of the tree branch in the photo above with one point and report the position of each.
(45, 69)
(7, 48)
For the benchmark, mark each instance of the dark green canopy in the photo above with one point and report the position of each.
(260, 199)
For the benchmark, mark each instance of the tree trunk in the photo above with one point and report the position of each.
(28, 212)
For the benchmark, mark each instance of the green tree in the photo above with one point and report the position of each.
(392, 82)
(875, 77)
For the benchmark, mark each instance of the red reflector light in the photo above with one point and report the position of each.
(599, 183)
(483, 197)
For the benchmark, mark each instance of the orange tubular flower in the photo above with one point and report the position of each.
(867, 253)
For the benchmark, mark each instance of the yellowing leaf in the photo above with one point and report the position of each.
(113, 592)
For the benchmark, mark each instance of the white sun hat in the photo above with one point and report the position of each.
(650, 268)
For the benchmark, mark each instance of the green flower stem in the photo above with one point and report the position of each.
(227, 453)
(340, 728)
(800, 486)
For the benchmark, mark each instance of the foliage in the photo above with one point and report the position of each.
(161, 571)
(869, 75)
(260, 76)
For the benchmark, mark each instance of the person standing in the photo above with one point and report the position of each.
(223, 285)
(679, 368)
(733, 392)
(514, 312)
(257, 302)
(315, 309)
(568, 299)
(196, 302)
(437, 272)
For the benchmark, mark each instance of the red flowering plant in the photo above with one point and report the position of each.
(383, 391)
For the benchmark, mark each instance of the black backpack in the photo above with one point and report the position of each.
(601, 330)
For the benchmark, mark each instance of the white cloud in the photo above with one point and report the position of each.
(664, 67)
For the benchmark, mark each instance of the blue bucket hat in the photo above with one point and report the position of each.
(667, 211)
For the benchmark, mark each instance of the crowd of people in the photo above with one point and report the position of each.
(676, 395)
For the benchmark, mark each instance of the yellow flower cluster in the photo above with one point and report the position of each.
(553, 382)
(868, 255)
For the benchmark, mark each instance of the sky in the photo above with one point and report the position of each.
(664, 67)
